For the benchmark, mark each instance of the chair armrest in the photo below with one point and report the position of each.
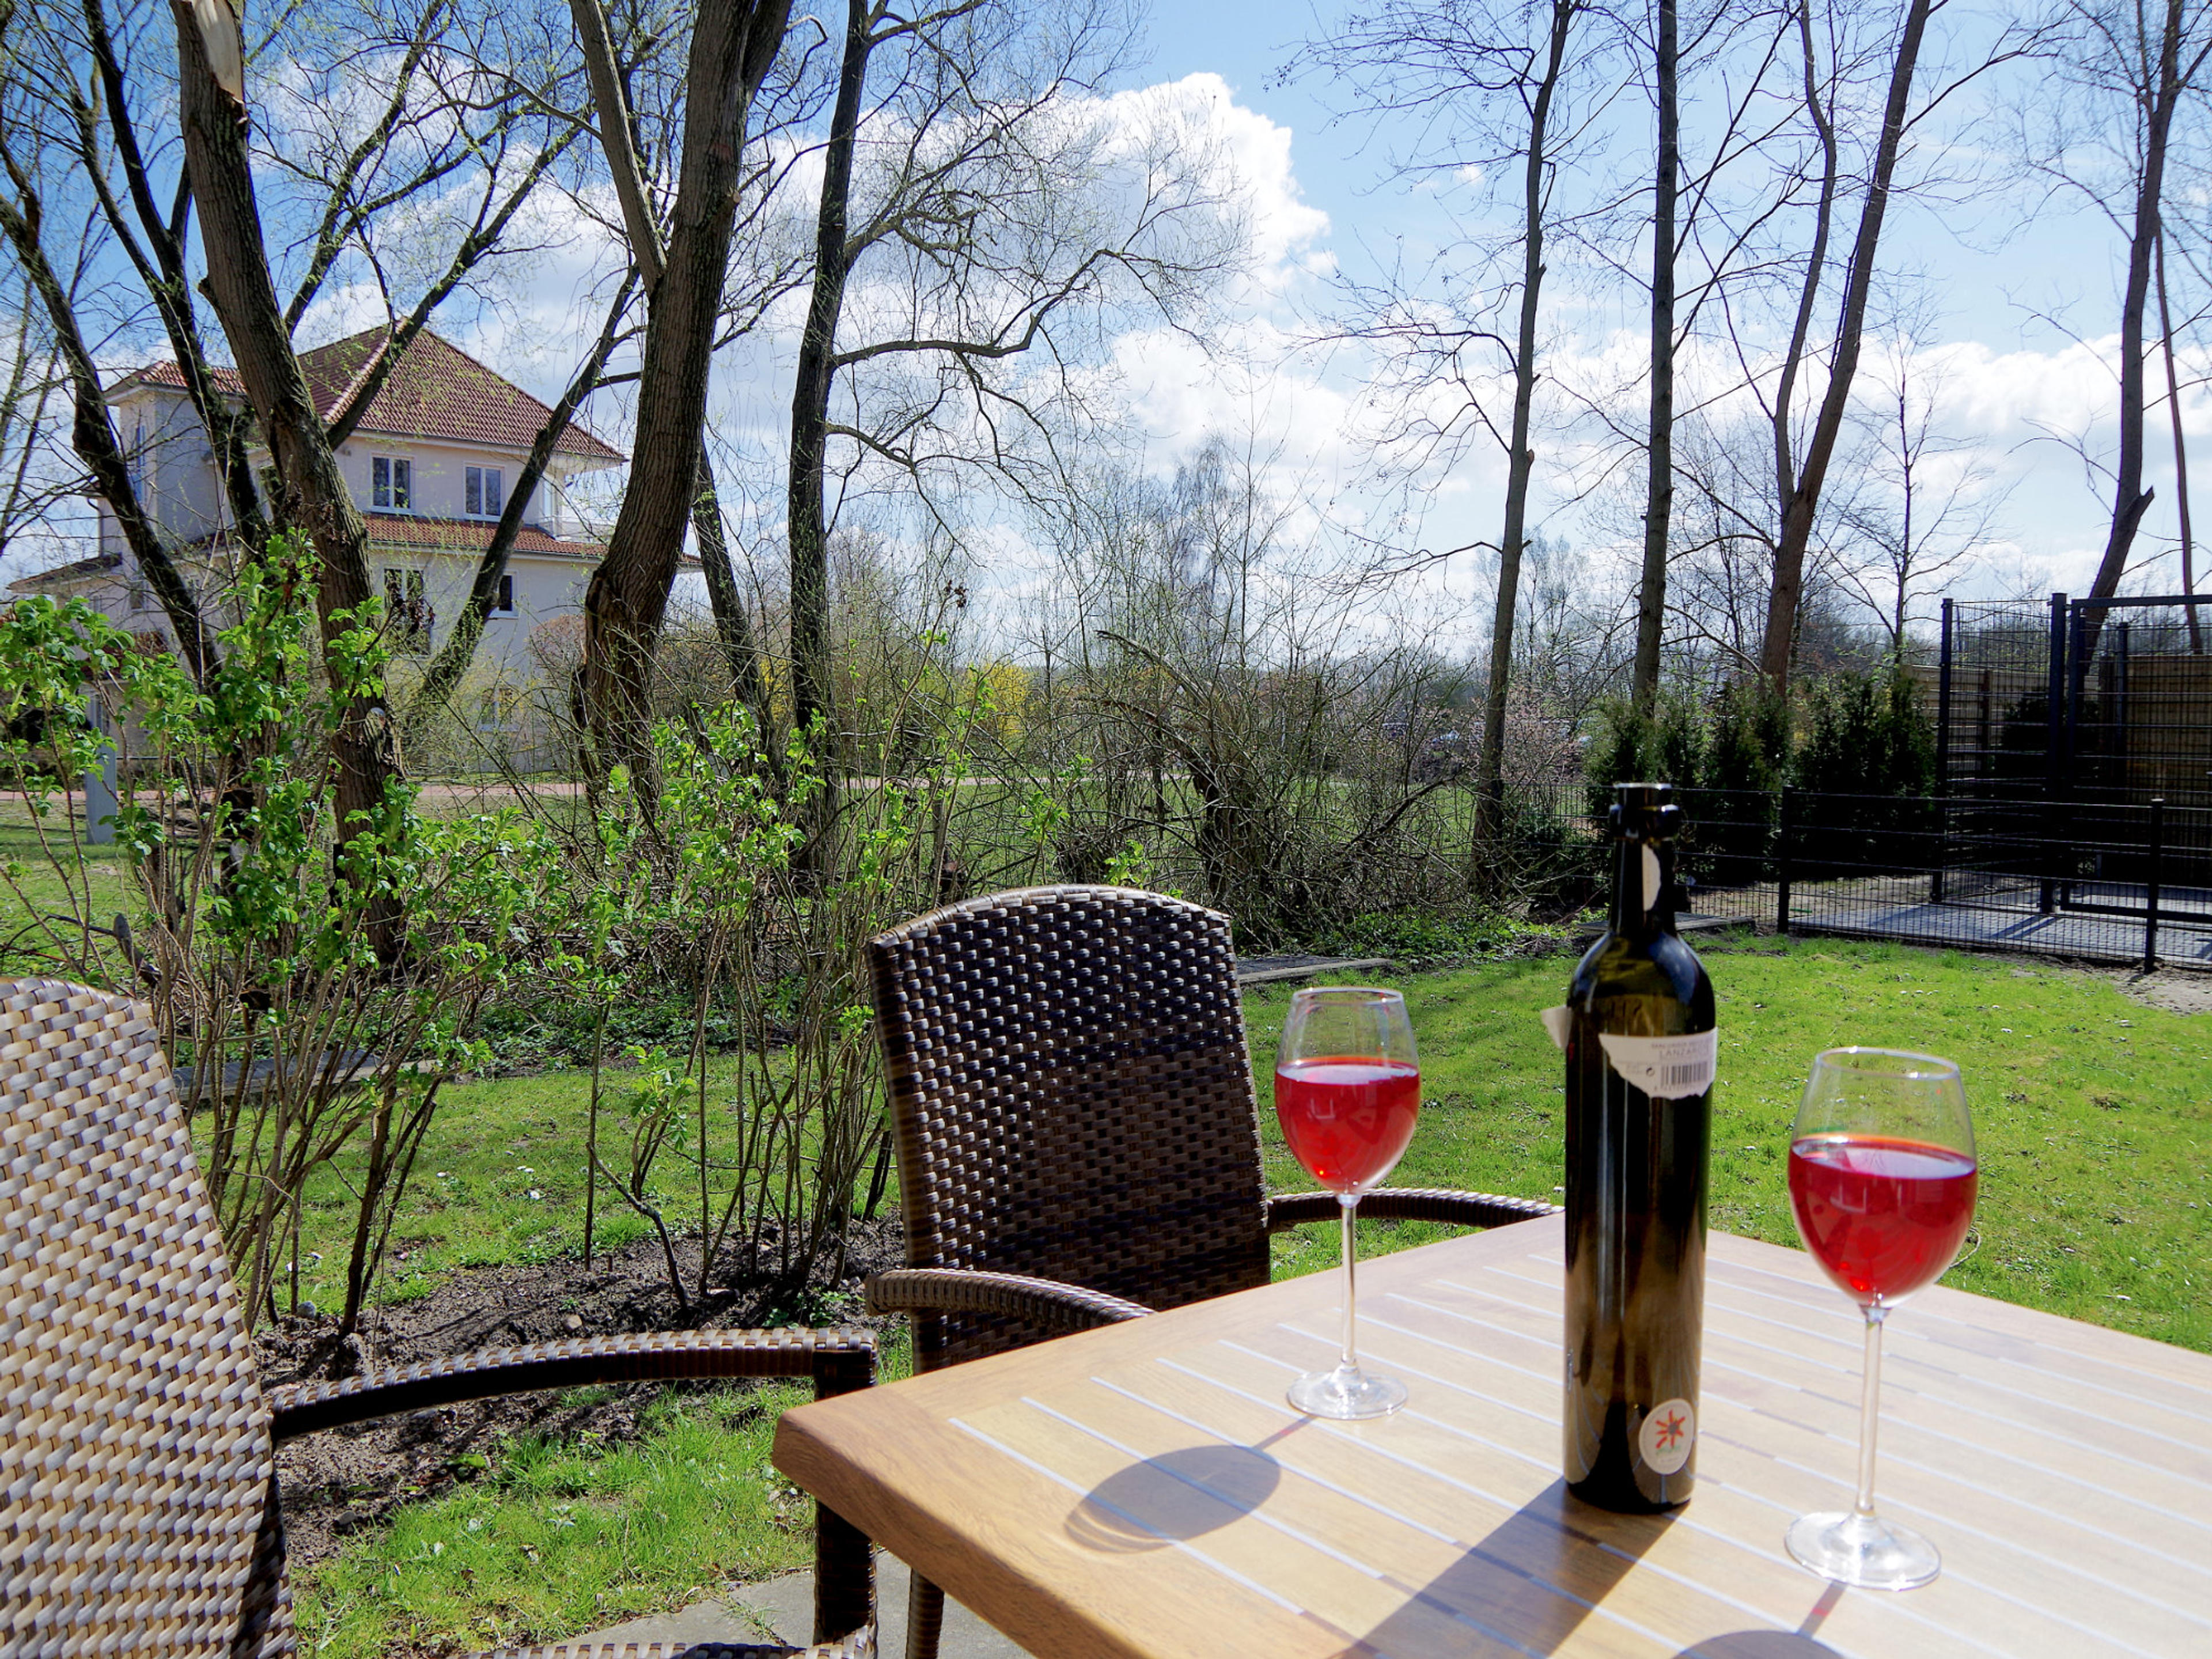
(839, 1360)
(1409, 1204)
(961, 1290)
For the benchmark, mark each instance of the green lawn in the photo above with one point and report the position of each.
(2096, 1202)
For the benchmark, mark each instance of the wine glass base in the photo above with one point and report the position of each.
(1346, 1395)
(1862, 1550)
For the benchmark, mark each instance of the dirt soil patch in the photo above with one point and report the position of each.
(339, 1482)
(2182, 993)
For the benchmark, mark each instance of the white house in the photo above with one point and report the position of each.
(430, 464)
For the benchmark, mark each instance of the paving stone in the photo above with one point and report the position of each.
(782, 1609)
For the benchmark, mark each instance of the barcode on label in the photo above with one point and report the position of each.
(1666, 1068)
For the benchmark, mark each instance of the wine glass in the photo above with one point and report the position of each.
(1348, 1091)
(1882, 1177)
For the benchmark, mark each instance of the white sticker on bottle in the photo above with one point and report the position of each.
(1665, 1068)
(1558, 1021)
(1650, 878)
(1669, 1430)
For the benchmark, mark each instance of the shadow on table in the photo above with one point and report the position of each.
(1759, 1644)
(1175, 1496)
(1530, 1583)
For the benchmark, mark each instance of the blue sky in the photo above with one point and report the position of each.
(1985, 272)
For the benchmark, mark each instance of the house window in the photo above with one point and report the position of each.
(391, 483)
(504, 605)
(407, 610)
(482, 496)
(496, 712)
(140, 599)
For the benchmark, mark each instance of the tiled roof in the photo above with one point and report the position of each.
(466, 536)
(437, 390)
(39, 580)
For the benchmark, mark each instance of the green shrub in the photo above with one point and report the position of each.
(1869, 750)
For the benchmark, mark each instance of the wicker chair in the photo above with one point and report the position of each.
(1079, 1138)
(139, 1511)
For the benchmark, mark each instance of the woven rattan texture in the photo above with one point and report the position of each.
(134, 1442)
(1069, 1072)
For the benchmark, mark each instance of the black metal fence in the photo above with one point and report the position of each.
(2080, 700)
(2098, 881)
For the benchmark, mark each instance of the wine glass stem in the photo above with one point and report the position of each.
(1870, 1409)
(1348, 1204)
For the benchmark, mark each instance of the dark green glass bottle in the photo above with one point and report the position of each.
(1641, 1049)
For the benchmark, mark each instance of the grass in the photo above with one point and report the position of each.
(560, 1538)
(2096, 1203)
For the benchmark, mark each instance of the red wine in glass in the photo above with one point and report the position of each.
(1882, 1176)
(1883, 1217)
(1348, 1091)
(1347, 1118)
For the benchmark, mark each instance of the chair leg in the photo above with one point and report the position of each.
(924, 1618)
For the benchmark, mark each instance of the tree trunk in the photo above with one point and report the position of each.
(228, 427)
(2130, 499)
(732, 622)
(807, 528)
(1776, 647)
(734, 43)
(1659, 492)
(314, 496)
(1816, 265)
(1521, 460)
(2181, 456)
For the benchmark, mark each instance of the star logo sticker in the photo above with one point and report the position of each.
(1670, 1431)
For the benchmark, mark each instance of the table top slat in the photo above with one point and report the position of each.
(1144, 1490)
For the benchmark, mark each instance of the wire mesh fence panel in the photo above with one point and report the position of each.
(2118, 882)
(2076, 700)
(2099, 881)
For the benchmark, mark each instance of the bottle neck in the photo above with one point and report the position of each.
(1643, 886)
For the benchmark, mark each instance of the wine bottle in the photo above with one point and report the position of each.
(1641, 1047)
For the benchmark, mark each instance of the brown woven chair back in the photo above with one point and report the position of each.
(134, 1451)
(1073, 1100)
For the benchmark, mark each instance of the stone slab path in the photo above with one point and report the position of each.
(783, 1608)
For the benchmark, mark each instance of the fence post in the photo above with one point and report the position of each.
(1943, 760)
(2150, 906)
(2054, 735)
(1782, 859)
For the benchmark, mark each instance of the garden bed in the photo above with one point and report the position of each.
(344, 1480)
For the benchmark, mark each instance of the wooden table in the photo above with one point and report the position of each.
(1144, 1490)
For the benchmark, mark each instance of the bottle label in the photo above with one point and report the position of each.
(1665, 1068)
(1670, 1429)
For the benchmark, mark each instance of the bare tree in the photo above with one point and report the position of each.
(734, 46)
(1804, 481)
(2131, 70)
(977, 205)
(1659, 442)
(1934, 505)
(2180, 453)
(1489, 85)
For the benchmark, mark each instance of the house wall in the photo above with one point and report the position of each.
(175, 466)
(545, 586)
(441, 478)
(182, 493)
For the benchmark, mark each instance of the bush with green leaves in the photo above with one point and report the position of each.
(1869, 754)
(315, 983)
